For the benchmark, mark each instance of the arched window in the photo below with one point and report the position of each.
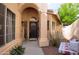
(33, 19)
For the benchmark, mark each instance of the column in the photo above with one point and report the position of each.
(18, 27)
(43, 41)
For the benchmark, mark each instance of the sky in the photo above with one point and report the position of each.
(54, 6)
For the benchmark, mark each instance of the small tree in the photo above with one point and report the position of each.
(68, 12)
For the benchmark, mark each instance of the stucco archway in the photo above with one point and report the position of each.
(27, 5)
(31, 9)
(30, 16)
(27, 17)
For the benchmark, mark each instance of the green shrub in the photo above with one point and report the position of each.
(55, 42)
(17, 51)
(55, 39)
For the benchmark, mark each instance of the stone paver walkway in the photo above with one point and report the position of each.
(32, 48)
(50, 50)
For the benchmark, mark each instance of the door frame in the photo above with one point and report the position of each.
(24, 24)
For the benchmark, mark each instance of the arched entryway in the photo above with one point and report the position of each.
(30, 20)
(34, 15)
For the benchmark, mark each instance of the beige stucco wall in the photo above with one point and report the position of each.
(51, 19)
(56, 32)
(24, 15)
(7, 47)
(18, 9)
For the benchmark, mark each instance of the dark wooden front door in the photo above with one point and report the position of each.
(33, 30)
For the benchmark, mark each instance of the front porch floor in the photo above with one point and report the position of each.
(32, 48)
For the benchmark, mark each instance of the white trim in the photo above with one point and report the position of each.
(5, 24)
